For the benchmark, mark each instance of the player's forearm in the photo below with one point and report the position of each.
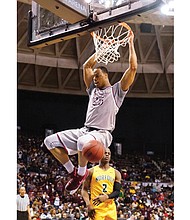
(129, 75)
(132, 57)
(90, 62)
(115, 193)
(85, 196)
(87, 70)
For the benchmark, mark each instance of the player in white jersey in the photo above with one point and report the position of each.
(104, 103)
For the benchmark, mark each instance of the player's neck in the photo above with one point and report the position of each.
(106, 85)
(104, 166)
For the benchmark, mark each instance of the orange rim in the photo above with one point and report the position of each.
(125, 25)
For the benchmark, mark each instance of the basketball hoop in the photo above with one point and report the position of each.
(108, 40)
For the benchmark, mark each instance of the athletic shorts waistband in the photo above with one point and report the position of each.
(94, 129)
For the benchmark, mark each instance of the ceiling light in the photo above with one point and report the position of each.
(88, 1)
(168, 8)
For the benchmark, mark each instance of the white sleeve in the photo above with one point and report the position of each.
(118, 93)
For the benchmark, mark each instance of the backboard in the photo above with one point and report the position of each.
(52, 21)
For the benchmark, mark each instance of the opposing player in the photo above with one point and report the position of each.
(104, 183)
(104, 103)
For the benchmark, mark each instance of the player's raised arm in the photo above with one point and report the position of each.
(87, 70)
(129, 75)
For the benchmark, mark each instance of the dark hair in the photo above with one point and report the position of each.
(104, 69)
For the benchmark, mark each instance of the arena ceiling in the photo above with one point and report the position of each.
(58, 68)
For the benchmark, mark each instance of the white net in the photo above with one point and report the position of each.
(108, 40)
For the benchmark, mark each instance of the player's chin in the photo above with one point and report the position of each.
(105, 159)
(98, 85)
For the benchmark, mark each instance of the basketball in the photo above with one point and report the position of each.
(93, 151)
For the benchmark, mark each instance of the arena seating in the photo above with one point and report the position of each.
(147, 184)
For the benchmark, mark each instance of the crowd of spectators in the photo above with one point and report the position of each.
(147, 185)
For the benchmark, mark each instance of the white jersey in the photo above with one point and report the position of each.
(103, 106)
(22, 202)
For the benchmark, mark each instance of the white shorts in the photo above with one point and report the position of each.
(73, 140)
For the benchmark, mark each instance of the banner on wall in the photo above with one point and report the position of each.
(118, 148)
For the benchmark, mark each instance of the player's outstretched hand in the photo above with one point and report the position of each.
(91, 212)
(100, 199)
